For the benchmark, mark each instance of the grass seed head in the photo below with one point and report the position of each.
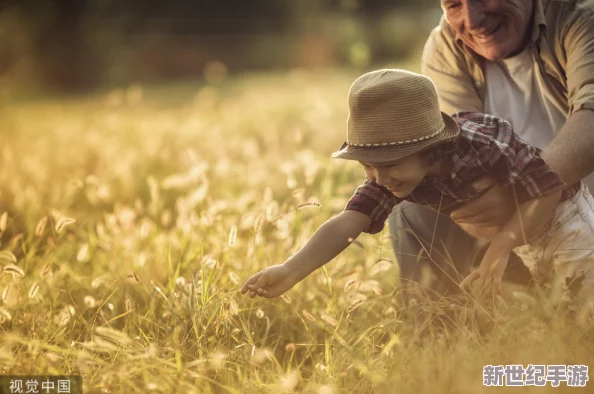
(3, 221)
(233, 236)
(41, 226)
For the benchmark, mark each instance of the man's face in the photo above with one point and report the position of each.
(494, 29)
(401, 177)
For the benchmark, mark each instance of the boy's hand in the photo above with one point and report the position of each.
(271, 282)
(487, 279)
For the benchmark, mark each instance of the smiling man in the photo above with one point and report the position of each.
(530, 62)
(492, 29)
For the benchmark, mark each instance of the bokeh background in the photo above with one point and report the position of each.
(74, 46)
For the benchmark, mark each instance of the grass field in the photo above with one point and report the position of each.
(130, 219)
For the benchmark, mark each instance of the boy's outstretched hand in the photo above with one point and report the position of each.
(271, 282)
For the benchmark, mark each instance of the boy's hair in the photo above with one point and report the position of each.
(436, 153)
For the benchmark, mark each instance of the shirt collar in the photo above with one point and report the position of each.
(540, 22)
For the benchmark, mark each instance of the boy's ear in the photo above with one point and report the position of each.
(427, 156)
(431, 156)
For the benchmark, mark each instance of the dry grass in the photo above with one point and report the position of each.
(129, 221)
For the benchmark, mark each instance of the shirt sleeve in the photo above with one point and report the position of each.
(444, 63)
(513, 162)
(578, 44)
(374, 201)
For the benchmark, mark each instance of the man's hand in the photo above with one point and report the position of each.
(271, 282)
(484, 216)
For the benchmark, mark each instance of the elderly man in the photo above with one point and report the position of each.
(530, 62)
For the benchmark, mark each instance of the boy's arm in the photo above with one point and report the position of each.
(327, 242)
(530, 220)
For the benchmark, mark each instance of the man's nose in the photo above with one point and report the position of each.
(475, 15)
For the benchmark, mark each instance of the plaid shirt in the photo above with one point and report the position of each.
(487, 145)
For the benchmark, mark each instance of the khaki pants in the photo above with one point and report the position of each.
(564, 257)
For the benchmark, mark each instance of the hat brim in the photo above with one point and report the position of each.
(394, 152)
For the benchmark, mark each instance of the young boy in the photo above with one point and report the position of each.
(412, 151)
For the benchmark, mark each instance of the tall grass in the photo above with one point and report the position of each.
(129, 221)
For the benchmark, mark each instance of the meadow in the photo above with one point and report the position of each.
(129, 220)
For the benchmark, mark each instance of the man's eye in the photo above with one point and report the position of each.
(452, 6)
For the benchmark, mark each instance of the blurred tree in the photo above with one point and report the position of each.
(77, 44)
(373, 12)
(60, 49)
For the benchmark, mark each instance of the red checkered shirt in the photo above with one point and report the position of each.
(486, 145)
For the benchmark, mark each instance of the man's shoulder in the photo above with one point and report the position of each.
(442, 35)
(572, 5)
(441, 43)
(559, 12)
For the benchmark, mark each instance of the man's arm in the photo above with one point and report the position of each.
(571, 153)
(327, 242)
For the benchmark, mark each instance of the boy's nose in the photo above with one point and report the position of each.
(382, 178)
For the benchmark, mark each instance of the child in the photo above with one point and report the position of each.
(412, 151)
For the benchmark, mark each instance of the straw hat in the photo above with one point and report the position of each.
(393, 114)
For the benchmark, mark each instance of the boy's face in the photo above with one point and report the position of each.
(401, 176)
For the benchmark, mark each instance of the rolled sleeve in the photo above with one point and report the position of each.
(515, 163)
(374, 201)
(579, 46)
(530, 176)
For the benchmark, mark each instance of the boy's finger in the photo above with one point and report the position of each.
(252, 293)
(497, 287)
(252, 279)
(270, 294)
(484, 219)
(262, 292)
(261, 282)
(468, 210)
(466, 282)
(487, 287)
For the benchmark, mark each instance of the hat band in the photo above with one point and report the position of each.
(426, 137)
